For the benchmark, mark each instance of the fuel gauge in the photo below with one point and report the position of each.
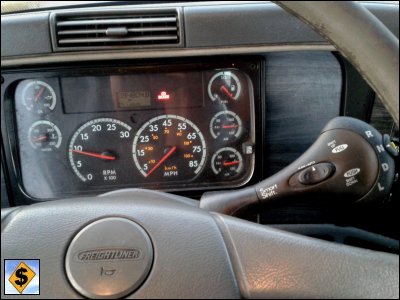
(44, 135)
(224, 87)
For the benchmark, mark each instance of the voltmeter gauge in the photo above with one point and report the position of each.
(44, 135)
(39, 97)
(227, 162)
(226, 126)
(224, 87)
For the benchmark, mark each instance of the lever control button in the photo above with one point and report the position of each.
(390, 147)
(316, 173)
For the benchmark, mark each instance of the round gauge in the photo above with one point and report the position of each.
(169, 147)
(39, 97)
(224, 86)
(226, 126)
(96, 148)
(227, 162)
(44, 136)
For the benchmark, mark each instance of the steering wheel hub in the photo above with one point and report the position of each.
(109, 258)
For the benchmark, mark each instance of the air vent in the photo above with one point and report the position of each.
(116, 30)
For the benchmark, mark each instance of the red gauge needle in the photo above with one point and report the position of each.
(161, 160)
(97, 155)
(39, 94)
(230, 126)
(225, 90)
(40, 138)
(231, 163)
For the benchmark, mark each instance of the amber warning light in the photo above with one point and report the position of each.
(164, 96)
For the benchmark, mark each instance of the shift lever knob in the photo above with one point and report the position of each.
(350, 160)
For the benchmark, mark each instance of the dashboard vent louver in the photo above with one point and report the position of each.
(116, 30)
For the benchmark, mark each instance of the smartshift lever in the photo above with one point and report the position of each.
(349, 160)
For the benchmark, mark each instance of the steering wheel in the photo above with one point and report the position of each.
(148, 244)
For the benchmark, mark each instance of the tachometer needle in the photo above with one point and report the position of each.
(231, 163)
(40, 138)
(168, 154)
(225, 90)
(92, 154)
(39, 94)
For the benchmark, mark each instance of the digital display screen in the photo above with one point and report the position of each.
(130, 92)
(133, 99)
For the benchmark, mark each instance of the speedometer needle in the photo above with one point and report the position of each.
(92, 154)
(161, 160)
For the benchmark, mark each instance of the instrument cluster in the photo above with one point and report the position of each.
(171, 127)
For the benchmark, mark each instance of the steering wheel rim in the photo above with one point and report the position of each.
(360, 37)
(249, 260)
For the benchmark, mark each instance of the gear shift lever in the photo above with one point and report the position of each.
(349, 160)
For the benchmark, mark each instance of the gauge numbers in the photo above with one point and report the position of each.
(96, 151)
(224, 87)
(169, 147)
(227, 162)
(39, 97)
(44, 135)
(226, 126)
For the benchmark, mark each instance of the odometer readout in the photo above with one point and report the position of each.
(169, 147)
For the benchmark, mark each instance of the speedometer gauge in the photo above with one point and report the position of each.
(96, 151)
(169, 147)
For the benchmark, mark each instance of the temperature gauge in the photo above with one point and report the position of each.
(225, 87)
(227, 162)
(226, 126)
(39, 97)
(44, 136)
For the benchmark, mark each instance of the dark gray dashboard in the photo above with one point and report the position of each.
(247, 67)
(296, 77)
(249, 26)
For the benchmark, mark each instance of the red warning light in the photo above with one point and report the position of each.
(164, 96)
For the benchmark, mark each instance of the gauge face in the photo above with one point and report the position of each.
(96, 151)
(226, 126)
(44, 136)
(169, 147)
(224, 87)
(39, 97)
(227, 162)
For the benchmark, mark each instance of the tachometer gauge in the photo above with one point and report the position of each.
(169, 147)
(44, 135)
(224, 87)
(96, 151)
(39, 97)
(227, 162)
(225, 126)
